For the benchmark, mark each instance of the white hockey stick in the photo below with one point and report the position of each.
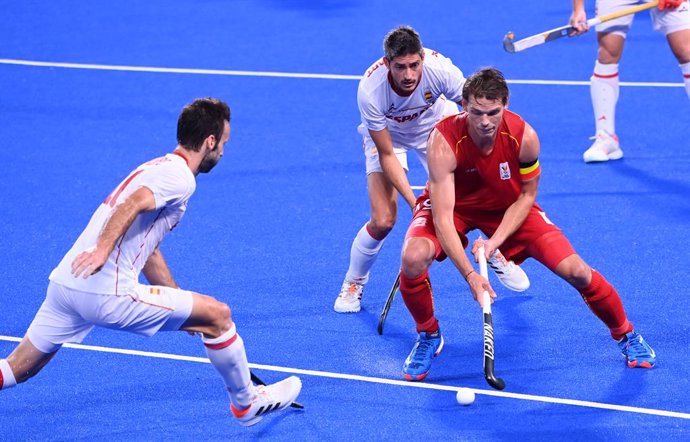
(489, 374)
(512, 46)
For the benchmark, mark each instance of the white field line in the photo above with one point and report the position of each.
(351, 377)
(107, 67)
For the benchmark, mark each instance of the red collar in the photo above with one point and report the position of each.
(186, 160)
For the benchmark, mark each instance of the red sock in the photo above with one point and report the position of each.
(603, 300)
(416, 292)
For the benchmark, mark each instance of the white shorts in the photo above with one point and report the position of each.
(372, 155)
(400, 147)
(69, 315)
(667, 21)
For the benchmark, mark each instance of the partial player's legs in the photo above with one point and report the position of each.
(225, 350)
(368, 242)
(55, 323)
(680, 45)
(675, 24)
(23, 363)
(415, 288)
(555, 252)
(604, 88)
(421, 248)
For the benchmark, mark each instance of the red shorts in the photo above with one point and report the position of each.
(536, 238)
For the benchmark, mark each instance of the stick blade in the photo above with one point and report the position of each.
(496, 383)
(508, 42)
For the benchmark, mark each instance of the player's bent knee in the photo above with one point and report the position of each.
(580, 274)
(224, 312)
(381, 227)
(680, 45)
(209, 316)
(221, 316)
(416, 258)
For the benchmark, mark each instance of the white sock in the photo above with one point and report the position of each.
(686, 76)
(7, 379)
(604, 88)
(363, 254)
(228, 356)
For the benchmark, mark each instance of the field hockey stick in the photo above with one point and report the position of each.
(389, 302)
(566, 31)
(491, 378)
(258, 381)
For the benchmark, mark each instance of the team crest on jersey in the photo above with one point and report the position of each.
(428, 96)
(504, 169)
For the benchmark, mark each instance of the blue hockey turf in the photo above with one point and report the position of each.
(89, 90)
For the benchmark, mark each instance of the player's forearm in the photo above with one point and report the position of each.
(578, 5)
(452, 246)
(395, 173)
(513, 218)
(157, 272)
(120, 220)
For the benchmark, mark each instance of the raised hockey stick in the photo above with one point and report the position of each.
(512, 46)
(258, 381)
(389, 302)
(491, 378)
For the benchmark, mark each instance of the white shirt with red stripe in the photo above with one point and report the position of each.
(408, 119)
(172, 184)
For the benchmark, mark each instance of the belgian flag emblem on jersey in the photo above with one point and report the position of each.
(428, 96)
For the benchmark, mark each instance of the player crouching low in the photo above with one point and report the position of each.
(483, 174)
(97, 281)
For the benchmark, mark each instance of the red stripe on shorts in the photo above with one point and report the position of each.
(222, 345)
(150, 303)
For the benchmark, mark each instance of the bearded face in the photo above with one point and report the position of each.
(214, 155)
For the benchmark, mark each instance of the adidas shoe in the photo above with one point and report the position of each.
(637, 352)
(268, 398)
(509, 273)
(605, 148)
(350, 297)
(418, 363)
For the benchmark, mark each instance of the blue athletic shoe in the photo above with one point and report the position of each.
(636, 351)
(418, 363)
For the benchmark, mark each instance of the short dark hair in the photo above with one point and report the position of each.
(200, 119)
(486, 83)
(402, 40)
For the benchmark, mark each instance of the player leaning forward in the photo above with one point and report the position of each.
(483, 174)
(96, 283)
(401, 97)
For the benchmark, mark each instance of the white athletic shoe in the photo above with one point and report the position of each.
(509, 273)
(350, 297)
(269, 398)
(605, 148)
